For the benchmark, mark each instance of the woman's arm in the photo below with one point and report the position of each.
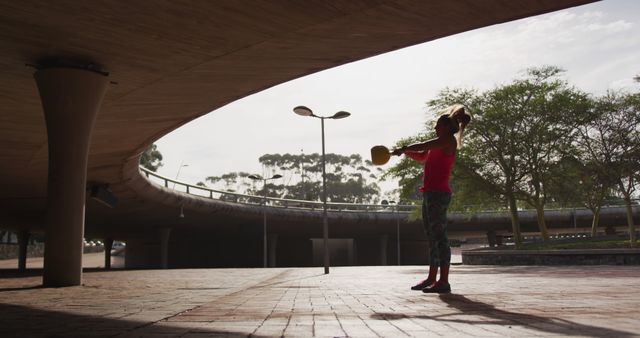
(424, 147)
(420, 156)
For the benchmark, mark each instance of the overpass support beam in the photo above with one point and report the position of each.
(71, 98)
(23, 243)
(384, 240)
(163, 235)
(149, 250)
(351, 248)
(108, 245)
(273, 241)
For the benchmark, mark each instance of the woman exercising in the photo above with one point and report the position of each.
(438, 156)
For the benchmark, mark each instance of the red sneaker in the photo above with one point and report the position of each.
(424, 284)
(438, 288)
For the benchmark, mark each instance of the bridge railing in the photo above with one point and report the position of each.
(228, 196)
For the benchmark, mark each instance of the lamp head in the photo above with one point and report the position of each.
(303, 111)
(276, 176)
(255, 177)
(340, 115)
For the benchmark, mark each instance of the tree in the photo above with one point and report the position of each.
(151, 158)
(615, 143)
(549, 112)
(349, 178)
(408, 172)
(513, 148)
(592, 158)
(491, 156)
(486, 162)
(233, 182)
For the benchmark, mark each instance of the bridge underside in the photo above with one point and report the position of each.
(170, 62)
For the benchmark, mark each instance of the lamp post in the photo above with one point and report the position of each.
(397, 227)
(397, 212)
(178, 173)
(264, 213)
(304, 111)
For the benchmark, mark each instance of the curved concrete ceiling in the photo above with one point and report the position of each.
(173, 61)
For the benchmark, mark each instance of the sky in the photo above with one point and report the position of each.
(597, 44)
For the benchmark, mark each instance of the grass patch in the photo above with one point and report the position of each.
(579, 244)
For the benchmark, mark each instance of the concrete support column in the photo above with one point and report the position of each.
(273, 241)
(355, 251)
(23, 243)
(384, 239)
(108, 245)
(70, 99)
(491, 238)
(164, 234)
(351, 252)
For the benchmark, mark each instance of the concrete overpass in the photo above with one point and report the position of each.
(112, 76)
(225, 229)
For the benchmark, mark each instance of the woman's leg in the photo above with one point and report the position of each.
(433, 264)
(438, 205)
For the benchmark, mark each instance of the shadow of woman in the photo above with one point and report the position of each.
(486, 314)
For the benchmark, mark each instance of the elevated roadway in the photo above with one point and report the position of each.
(221, 224)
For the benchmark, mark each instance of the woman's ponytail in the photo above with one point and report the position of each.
(461, 118)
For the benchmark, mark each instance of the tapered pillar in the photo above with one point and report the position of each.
(23, 243)
(108, 245)
(70, 99)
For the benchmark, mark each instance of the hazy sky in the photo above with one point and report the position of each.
(597, 44)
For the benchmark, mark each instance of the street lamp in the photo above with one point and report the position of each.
(397, 227)
(178, 173)
(304, 111)
(264, 213)
(397, 211)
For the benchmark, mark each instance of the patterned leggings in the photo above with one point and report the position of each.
(434, 217)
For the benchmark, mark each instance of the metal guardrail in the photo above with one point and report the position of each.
(228, 196)
(270, 201)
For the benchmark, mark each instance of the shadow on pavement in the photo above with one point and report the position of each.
(35, 272)
(533, 271)
(493, 316)
(21, 321)
(16, 273)
(21, 288)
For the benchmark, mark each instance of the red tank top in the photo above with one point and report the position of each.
(437, 169)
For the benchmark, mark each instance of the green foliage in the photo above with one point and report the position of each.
(519, 146)
(408, 172)
(517, 142)
(231, 182)
(612, 143)
(349, 178)
(151, 158)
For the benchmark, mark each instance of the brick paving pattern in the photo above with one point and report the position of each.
(487, 301)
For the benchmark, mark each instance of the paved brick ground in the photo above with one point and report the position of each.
(593, 301)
